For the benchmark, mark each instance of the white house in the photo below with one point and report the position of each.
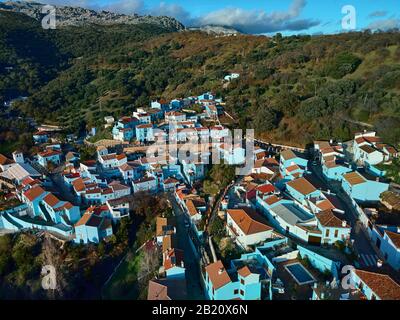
(247, 227)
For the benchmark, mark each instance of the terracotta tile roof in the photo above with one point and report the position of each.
(293, 168)
(373, 139)
(272, 199)
(331, 164)
(49, 153)
(394, 237)
(51, 200)
(191, 207)
(325, 205)
(248, 221)
(172, 258)
(65, 206)
(170, 180)
(157, 291)
(328, 219)
(144, 126)
(33, 193)
(169, 242)
(288, 154)
(160, 223)
(4, 160)
(40, 133)
(121, 156)
(244, 272)
(368, 149)
(266, 188)
(83, 220)
(117, 186)
(78, 185)
(93, 191)
(167, 289)
(382, 285)
(302, 185)
(354, 178)
(108, 157)
(360, 140)
(125, 167)
(218, 275)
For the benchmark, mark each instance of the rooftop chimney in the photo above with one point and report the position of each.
(220, 271)
(379, 263)
(344, 223)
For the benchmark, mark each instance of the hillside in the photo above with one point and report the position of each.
(292, 89)
(31, 57)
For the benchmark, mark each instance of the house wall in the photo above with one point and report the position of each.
(390, 252)
(343, 233)
(243, 239)
(366, 290)
(320, 262)
(299, 196)
(175, 272)
(335, 173)
(367, 191)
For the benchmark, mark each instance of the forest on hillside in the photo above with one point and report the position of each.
(291, 89)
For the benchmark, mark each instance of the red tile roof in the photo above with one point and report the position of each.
(248, 221)
(33, 193)
(382, 285)
(302, 185)
(218, 275)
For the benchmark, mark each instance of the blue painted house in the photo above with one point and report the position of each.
(144, 132)
(173, 263)
(124, 129)
(32, 197)
(375, 286)
(193, 171)
(387, 241)
(334, 171)
(332, 227)
(40, 137)
(361, 189)
(92, 227)
(235, 284)
(296, 162)
(49, 156)
(301, 189)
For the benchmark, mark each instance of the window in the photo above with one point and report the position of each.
(241, 281)
(236, 291)
(327, 233)
(336, 233)
(241, 292)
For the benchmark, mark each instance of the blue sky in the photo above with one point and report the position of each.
(260, 16)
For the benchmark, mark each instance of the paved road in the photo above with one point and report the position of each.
(194, 287)
(362, 245)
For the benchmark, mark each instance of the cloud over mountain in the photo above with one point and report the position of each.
(260, 21)
(248, 21)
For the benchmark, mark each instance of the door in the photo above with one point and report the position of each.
(314, 240)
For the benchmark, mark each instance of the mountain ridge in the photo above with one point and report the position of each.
(77, 16)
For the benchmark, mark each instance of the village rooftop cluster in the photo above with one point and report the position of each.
(297, 220)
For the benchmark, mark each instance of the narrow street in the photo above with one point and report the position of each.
(366, 253)
(194, 288)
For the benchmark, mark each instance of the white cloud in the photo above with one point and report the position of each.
(171, 10)
(384, 24)
(260, 21)
(124, 6)
(377, 14)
